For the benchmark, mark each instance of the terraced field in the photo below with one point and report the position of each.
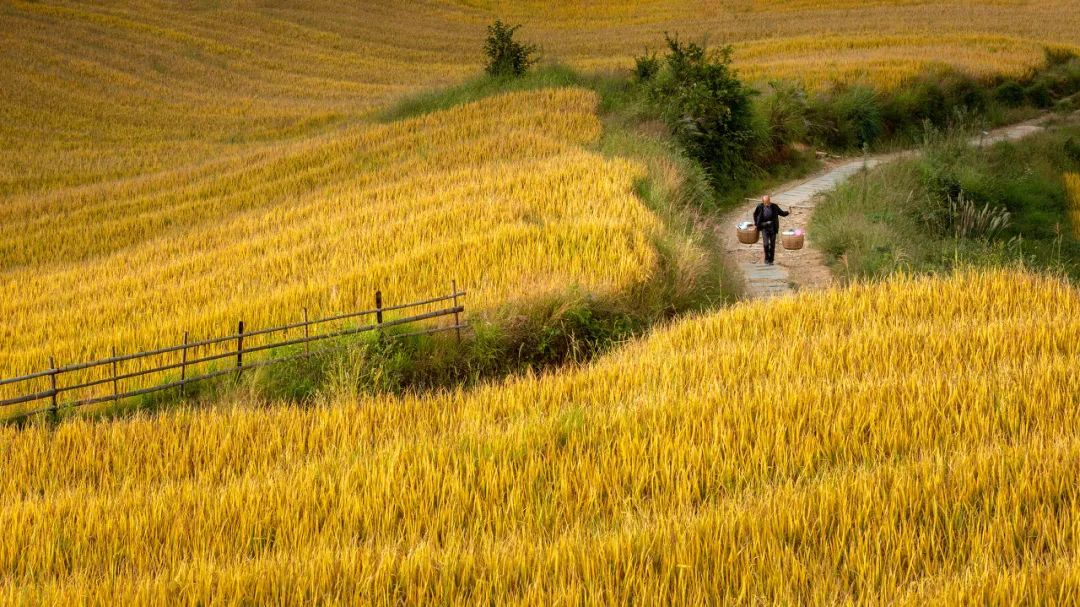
(100, 91)
(170, 167)
(223, 154)
(911, 442)
(513, 208)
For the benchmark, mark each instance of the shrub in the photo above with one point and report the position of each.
(945, 154)
(506, 56)
(707, 109)
(905, 110)
(1072, 149)
(785, 115)
(1039, 95)
(1057, 81)
(1070, 73)
(929, 103)
(1056, 56)
(646, 67)
(848, 117)
(962, 91)
(1010, 93)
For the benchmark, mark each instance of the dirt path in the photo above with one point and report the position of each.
(806, 269)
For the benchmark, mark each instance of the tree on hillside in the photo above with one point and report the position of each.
(506, 56)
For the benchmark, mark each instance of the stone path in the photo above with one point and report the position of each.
(806, 268)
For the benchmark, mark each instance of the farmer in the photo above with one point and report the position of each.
(767, 219)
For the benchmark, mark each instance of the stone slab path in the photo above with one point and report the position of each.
(806, 268)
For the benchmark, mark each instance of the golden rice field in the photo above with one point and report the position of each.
(92, 92)
(1072, 183)
(912, 442)
(511, 209)
(176, 166)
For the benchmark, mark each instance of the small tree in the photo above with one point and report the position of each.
(506, 56)
(708, 109)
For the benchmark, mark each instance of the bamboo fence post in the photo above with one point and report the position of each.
(183, 367)
(307, 333)
(52, 381)
(378, 315)
(457, 320)
(115, 382)
(239, 349)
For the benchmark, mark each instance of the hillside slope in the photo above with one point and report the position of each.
(904, 442)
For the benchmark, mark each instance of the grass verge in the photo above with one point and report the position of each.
(956, 204)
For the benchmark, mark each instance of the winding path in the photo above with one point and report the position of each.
(806, 268)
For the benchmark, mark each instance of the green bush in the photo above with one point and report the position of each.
(847, 118)
(948, 171)
(918, 102)
(1071, 147)
(850, 116)
(1056, 56)
(1011, 93)
(784, 116)
(646, 67)
(962, 91)
(707, 109)
(1071, 77)
(1039, 94)
(506, 56)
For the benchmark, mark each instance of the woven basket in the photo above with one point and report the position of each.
(748, 235)
(791, 242)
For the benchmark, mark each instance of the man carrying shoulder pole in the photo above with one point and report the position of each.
(767, 219)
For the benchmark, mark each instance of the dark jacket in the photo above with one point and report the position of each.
(768, 219)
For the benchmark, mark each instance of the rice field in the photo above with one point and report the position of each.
(909, 442)
(879, 42)
(169, 167)
(94, 92)
(512, 209)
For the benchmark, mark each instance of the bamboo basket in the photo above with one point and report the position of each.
(748, 233)
(791, 240)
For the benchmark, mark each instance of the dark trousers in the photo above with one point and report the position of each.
(768, 238)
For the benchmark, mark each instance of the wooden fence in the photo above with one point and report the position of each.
(100, 381)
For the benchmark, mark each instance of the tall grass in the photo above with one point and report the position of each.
(1072, 182)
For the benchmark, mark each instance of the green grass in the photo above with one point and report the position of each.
(550, 76)
(891, 218)
(847, 116)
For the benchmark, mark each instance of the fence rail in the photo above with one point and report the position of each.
(231, 346)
